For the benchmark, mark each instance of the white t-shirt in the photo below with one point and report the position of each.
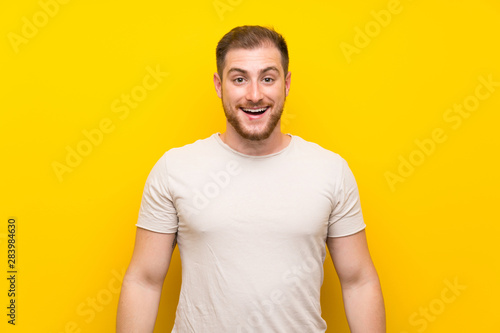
(251, 231)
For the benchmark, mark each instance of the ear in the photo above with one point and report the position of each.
(218, 84)
(287, 82)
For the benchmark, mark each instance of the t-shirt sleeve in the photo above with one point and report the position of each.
(157, 211)
(346, 217)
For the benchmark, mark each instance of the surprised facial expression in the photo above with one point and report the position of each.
(254, 91)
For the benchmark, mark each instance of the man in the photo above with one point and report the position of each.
(251, 210)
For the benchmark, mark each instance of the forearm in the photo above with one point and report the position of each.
(364, 307)
(137, 307)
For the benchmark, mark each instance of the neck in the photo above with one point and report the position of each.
(276, 142)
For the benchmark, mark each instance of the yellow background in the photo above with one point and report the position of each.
(76, 232)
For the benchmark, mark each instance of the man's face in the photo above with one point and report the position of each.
(253, 79)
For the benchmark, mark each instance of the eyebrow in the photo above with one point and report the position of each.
(270, 68)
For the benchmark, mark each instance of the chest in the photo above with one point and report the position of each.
(245, 201)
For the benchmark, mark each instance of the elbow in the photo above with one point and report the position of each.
(143, 279)
(361, 279)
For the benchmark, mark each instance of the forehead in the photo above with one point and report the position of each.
(253, 60)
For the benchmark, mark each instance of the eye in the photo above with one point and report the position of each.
(270, 79)
(237, 80)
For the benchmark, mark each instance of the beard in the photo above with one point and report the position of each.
(244, 131)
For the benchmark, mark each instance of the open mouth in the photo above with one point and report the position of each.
(255, 111)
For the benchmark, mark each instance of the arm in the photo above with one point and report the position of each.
(143, 281)
(361, 291)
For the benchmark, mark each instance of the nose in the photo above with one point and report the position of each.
(254, 92)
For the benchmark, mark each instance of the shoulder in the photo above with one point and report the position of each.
(190, 152)
(317, 153)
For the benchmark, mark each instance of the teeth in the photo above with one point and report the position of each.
(256, 110)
